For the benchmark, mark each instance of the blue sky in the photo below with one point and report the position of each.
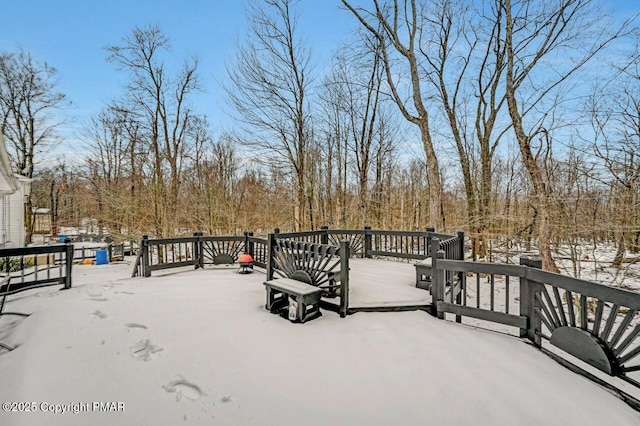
(71, 35)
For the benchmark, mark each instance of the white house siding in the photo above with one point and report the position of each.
(13, 192)
(12, 230)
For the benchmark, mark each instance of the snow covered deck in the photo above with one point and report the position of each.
(384, 284)
(197, 347)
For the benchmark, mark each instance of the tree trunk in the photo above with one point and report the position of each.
(436, 212)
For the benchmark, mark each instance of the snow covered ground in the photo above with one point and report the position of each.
(198, 347)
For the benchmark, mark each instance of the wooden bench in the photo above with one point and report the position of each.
(307, 298)
(423, 274)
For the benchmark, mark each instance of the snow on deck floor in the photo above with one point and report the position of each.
(384, 283)
(198, 347)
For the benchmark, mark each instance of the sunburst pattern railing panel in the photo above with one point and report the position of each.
(318, 261)
(219, 248)
(355, 238)
(591, 316)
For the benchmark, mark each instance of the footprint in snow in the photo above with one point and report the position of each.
(46, 294)
(182, 387)
(98, 314)
(144, 349)
(135, 325)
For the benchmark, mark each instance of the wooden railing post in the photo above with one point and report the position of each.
(199, 245)
(344, 278)
(460, 254)
(528, 290)
(248, 244)
(196, 250)
(438, 281)
(271, 242)
(427, 243)
(144, 246)
(324, 237)
(201, 249)
(367, 242)
(68, 265)
(434, 246)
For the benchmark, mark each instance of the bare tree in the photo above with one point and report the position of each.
(113, 168)
(356, 111)
(614, 111)
(160, 103)
(50, 189)
(398, 29)
(464, 57)
(535, 32)
(270, 89)
(28, 98)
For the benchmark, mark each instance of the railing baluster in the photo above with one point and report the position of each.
(493, 284)
(506, 294)
(21, 269)
(563, 318)
(572, 315)
(610, 322)
(598, 319)
(583, 312)
(477, 290)
(463, 279)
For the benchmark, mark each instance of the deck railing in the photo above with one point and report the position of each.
(369, 242)
(595, 323)
(258, 248)
(114, 251)
(32, 267)
(29, 268)
(198, 250)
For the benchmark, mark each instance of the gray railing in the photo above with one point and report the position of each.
(196, 251)
(368, 242)
(595, 323)
(258, 248)
(32, 267)
(315, 237)
(29, 268)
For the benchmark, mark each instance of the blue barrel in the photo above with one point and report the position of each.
(102, 257)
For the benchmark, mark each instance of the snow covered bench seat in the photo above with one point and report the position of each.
(306, 299)
(423, 274)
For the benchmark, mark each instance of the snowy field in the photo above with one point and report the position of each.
(198, 347)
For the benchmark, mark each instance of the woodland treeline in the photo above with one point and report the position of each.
(516, 121)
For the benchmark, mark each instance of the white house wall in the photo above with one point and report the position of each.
(12, 230)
